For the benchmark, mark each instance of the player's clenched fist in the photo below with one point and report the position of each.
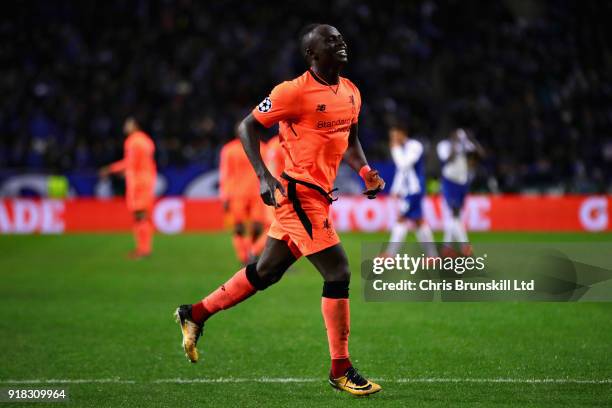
(373, 182)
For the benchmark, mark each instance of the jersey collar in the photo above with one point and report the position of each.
(319, 80)
(322, 82)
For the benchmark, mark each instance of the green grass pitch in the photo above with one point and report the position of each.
(72, 308)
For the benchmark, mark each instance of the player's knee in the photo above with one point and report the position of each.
(343, 274)
(239, 229)
(140, 215)
(272, 278)
(262, 275)
(257, 229)
(336, 290)
(339, 272)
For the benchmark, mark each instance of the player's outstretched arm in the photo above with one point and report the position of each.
(116, 167)
(355, 157)
(480, 151)
(249, 132)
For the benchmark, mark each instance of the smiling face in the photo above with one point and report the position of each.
(326, 47)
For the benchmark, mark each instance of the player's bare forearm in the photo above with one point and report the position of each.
(117, 167)
(479, 149)
(354, 155)
(249, 132)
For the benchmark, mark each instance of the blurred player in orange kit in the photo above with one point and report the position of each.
(317, 114)
(274, 156)
(138, 166)
(239, 190)
(275, 161)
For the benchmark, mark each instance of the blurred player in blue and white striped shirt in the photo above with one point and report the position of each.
(453, 154)
(408, 186)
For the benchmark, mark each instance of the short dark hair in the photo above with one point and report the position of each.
(303, 37)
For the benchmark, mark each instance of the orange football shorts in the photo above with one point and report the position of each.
(303, 219)
(140, 197)
(243, 209)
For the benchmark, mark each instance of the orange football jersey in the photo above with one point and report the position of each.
(237, 178)
(274, 156)
(140, 170)
(314, 124)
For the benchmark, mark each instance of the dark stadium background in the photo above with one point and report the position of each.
(531, 79)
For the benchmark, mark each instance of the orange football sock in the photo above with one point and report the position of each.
(143, 234)
(242, 246)
(336, 313)
(232, 292)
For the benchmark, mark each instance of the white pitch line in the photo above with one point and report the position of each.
(285, 380)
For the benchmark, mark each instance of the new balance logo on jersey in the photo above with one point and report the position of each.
(321, 107)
